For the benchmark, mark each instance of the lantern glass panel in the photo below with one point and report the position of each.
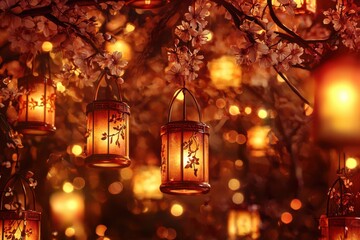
(37, 106)
(15, 226)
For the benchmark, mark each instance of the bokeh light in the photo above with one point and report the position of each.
(68, 187)
(238, 198)
(115, 188)
(176, 210)
(295, 204)
(70, 232)
(47, 46)
(234, 110)
(126, 173)
(76, 150)
(351, 163)
(100, 230)
(286, 217)
(234, 184)
(262, 113)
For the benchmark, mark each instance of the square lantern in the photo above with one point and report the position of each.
(185, 154)
(18, 218)
(146, 4)
(344, 228)
(108, 134)
(337, 100)
(244, 223)
(36, 106)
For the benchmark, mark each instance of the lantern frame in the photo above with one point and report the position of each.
(114, 109)
(186, 184)
(23, 218)
(35, 127)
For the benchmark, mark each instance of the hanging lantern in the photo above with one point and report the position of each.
(37, 105)
(244, 223)
(18, 218)
(337, 99)
(108, 132)
(147, 4)
(185, 153)
(343, 208)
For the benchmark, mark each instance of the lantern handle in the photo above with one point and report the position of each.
(184, 90)
(102, 76)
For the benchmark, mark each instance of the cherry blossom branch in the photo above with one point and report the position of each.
(292, 87)
(76, 30)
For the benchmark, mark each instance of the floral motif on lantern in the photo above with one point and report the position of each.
(119, 129)
(192, 146)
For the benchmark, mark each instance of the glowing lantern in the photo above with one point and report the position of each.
(185, 153)
(146, 4)
(258, 140)
(337, 100)
(244, 223)
(224, 72)
(37, 105)
(18, 218)
(108, 132)
(344, 228)
(146, 183)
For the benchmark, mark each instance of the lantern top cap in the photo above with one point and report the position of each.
(108, 104)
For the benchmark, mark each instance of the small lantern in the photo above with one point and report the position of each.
(337, 99)
(37, 105)
(146, 4)
(18, 218)
(185, 153)
(343, 208)
(146, 183)
(108, 132)
(258, 140)
(224, 72)
(244, 223)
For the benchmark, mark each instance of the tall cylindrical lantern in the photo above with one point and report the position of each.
(146, 4)
(107, 132)
(37, 105)
(185, 153)
(18, 217)
(337, 99)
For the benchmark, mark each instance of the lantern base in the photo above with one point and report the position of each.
(107, 161)
(35, 128)
(185, 188)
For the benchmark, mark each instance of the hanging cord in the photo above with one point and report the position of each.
(103, 75)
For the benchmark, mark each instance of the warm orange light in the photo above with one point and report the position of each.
(147, 4)
(351, 163)
(100, 230)
(47, 46)
(248, 110)
(146, 183)
(295, 204)
(238, 198)
(302, 6)
(343, 228)
(76, 150)
(286, 217)
(120, 46)
(262, 113)
(67, 208)
(257, 140)
(337, 99)
(224, 72)
(108, 134)
(234, 110)
(176, 210)
(37, 106)
(234, 184)
(244, 223)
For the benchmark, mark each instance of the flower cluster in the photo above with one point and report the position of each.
(184, 58)
(346, 22)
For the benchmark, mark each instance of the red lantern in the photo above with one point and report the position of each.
(185, 153)
(108, 133)
(337, 99)
(18, 218)
(147, 4)
(37, 105)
